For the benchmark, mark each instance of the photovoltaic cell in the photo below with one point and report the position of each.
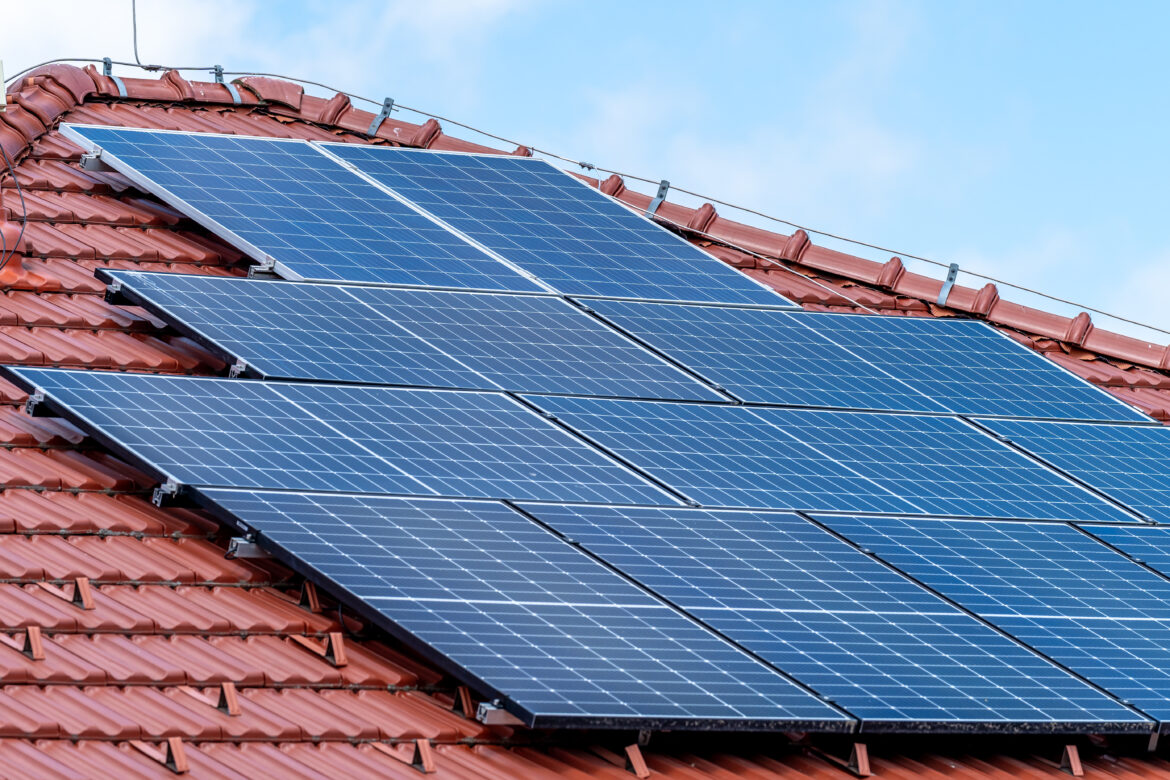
(879, 645)
(567, 234)
(240, 433)
(1130, 463)
(425, 338)
(1058, 590)
(479, 445)
(531, 343)
(764, 355)
(285, 330)
(970, 368)
(284, 199)
(559, 635)
(941, 465)
(721, 455)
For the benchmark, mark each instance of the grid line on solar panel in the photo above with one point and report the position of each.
(720, 455)
(554, 631)
(283, 199)
(567, 234)
(969, 367)
(1129, 463)
(881, 646)
(242, 433)
(1147, 544)
(764, 355)
(1059, 590)
(221, 432)
(942, 465)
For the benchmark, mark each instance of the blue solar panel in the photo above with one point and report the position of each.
(869, 639)
(219, 432)
(721, 455)
(764, 355)
(561, 637)
(942, 465)
(1053, 587)
(566, 233)
(239, 433)
(285, 200)
(424, 338)
(480, 445)
(285, 330)
(969, 367)
(1130, 463)
(1148, 544)
(534, 344)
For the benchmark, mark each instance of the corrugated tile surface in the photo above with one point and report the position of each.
(166, 620)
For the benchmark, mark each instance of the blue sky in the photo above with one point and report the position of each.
(1025, 141)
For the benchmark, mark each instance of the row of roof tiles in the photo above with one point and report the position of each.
(167, 610)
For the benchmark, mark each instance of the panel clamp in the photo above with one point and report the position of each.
(165, 492)
(663, 188)
(244, 548)
(108, 72)
(35, 399)
(387, 107)
(495, 715)
(945, 292)
(92, 161)
(265, 266)
(237, 369)
(231, 88)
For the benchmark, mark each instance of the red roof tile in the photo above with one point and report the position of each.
(170, 619)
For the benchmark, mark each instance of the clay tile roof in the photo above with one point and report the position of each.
(130, 647)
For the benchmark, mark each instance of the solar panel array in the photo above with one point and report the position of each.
(488, 454)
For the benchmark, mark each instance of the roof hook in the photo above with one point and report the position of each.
(108, 72)
(387, 107)
(952, 275)
(663, 188)
(231, 88)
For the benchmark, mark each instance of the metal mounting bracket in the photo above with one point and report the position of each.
(92, 161)
(231, 88)
(265, 266)
(492, 714)
(387, 107)
(108, 72)
(237, 369)
(945, 292)
(35, 399)
(165, 492)
(663, 188)
(244, 548)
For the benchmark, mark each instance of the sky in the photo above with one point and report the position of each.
(1024, 141)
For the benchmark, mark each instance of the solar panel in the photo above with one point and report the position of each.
(285, 330)
(1130, 463)
(1051, 586)
(568, 234)
(970, 367)
(424, 338)
(479, 445)
(534, 344)
(241, 433)
(764, 355)
(721, 455)
(559, 637)
(285, 200)
(1145, 543)
(942, 465)
(852, 629)
(219, 432)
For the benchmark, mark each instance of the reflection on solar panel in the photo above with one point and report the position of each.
(1148, 544)
(535, 344)
(942, 465)
(969, 367)
(813, 606)
(296, 331)
(219, 432)
(473, 444)
(1130, 463)
(721, 455)
(566, 233)
(566, 640)
(238, 433)
(1049, 585)
(764, 355)
(284, 199)
(413, 337)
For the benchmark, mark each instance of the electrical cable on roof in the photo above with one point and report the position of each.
(23, 209)
(633, 177)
